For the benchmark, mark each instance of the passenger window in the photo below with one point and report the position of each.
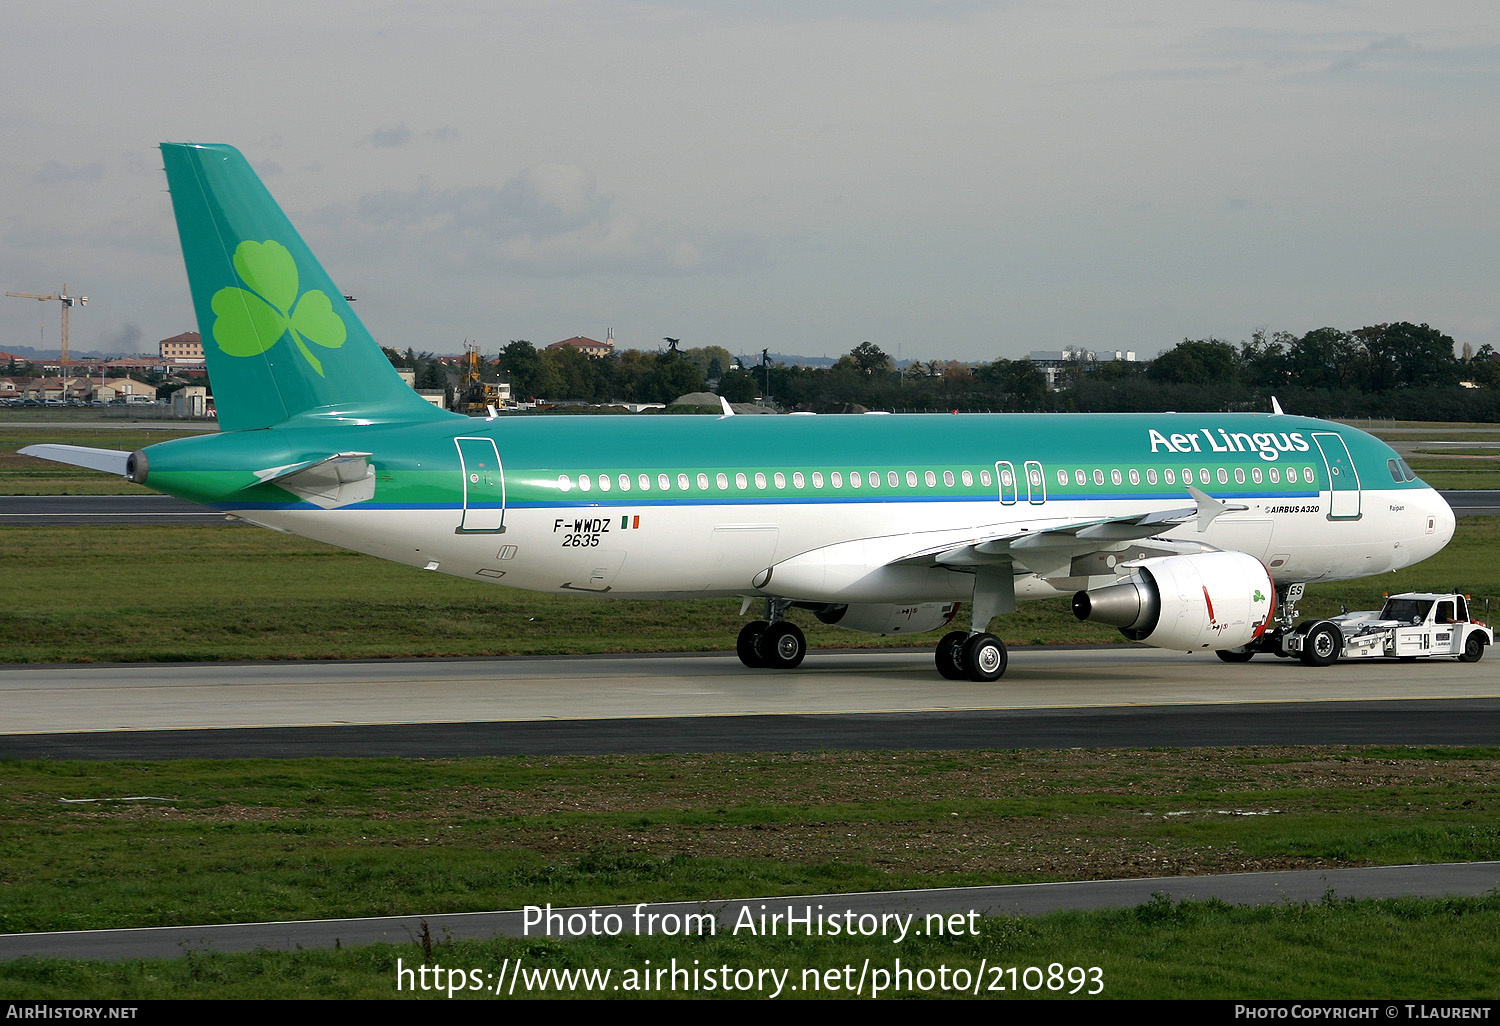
(722, 480)
(818, 480)
(1062, 477)
(1291, 475)
(968, 479)
(1203, 475)
(1239, 475)
(780, 480)
(984, 478)
(1275, 475)
(1151, 475)
(760, 480)
(911, 479)
(584, 482)
(948, 478)
(1135, 476)
(1098, 477)
(703, 481)
(1171, 476)
(930, 478)
(740, 482)
(798, 481)
(1080, 477)
(565, 482)
(855, 480)
(664, 482)
(1255, 474)
(1307, 474)
(624, 482)
(682, 482)
(645, 482)
(1223, 476)
(1114, 477)
(604, 482)
(837, 479)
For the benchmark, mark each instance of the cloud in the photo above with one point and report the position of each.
(548, 220)
(53, 173)
(385, 137)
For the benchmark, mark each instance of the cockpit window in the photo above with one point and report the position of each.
(1396, 473)
(1411, 475)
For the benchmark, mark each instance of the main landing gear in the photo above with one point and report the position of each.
(772, 643)
(977, 657)
(976, 654)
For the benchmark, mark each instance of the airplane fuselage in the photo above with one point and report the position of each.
(670, 507)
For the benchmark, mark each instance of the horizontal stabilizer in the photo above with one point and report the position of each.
(338, 480)
(111, 461)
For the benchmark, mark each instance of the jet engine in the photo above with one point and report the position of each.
(887, 618)
(1209, 600)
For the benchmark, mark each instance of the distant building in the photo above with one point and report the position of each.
(588, 346)
(185, 347)
(1052, 362)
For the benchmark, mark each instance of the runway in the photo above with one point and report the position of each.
(1106, 696)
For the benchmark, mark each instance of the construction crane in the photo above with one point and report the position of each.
(67, 303)
(476, 397)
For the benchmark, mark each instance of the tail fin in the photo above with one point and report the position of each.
(279, 338)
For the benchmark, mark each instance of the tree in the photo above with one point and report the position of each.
(739, 386)
(868, 358)
(1197, 362)
(1405, 355)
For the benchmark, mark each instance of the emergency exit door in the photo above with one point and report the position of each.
(484, 486)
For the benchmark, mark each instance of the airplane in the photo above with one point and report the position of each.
(1187, 531)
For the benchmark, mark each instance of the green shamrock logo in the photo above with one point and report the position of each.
(1258, 596)
(250, 321)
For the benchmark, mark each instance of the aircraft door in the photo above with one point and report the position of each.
(1343, 479)
(1036, 483)
(484, 487)
(1005, 474)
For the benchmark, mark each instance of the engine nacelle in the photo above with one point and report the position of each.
(1211, 600)
(884, 618)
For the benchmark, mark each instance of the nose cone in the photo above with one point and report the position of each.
(1435, 526)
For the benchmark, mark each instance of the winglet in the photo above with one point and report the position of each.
(728, 410)
(1276, 410)
(1210, 508)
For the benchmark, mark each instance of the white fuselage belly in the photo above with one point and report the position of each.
(641, 550)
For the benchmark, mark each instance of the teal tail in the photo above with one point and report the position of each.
(279, 337)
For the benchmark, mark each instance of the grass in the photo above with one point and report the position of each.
(239, 841)
(1372, 950)
(261, 839)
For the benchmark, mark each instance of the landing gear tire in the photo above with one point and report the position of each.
(1235, 655)
(747, 646)
(1322, 645)
(985, 657)
(1473, 649)
(783, 646)
(950, 656)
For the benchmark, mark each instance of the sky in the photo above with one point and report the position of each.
(955, 179)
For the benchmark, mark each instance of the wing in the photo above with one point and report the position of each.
(917, 565)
